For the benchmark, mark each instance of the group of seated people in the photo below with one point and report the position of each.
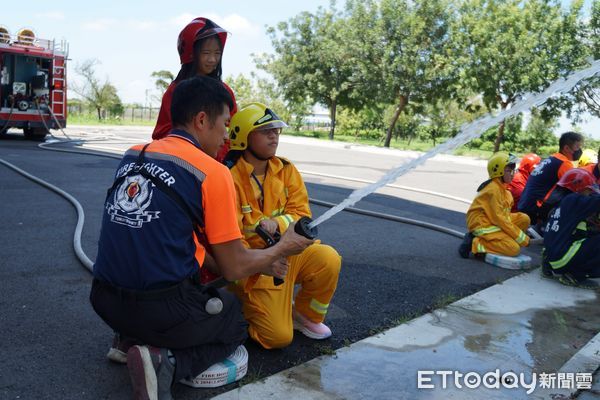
(556, 198)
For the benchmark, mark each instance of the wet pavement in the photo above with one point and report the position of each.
(521, 329)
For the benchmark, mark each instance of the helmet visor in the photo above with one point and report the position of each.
(204, 33)
(271, 125)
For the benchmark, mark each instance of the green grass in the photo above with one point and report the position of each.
(445, 300)
(414, 145)
(91, 119)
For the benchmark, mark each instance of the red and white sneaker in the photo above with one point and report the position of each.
(313, 330)
(119, 348)
(151, 373)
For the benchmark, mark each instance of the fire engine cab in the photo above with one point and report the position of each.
(33, 93)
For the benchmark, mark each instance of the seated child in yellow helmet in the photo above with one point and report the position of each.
(270, 195)
(492, 227)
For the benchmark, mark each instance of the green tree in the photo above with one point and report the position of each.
(244, 90)
(100, 95)
(310, 60)
(406, 50)
(538, 133)
(511, 47)
(268, 92)
(589, 93)
(162, 79)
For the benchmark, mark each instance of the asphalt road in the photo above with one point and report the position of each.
(54, 346)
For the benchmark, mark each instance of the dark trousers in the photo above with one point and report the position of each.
(586, 262)
(174, 319)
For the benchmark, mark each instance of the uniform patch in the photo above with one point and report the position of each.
(130, 201)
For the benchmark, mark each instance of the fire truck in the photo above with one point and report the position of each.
(33, 77)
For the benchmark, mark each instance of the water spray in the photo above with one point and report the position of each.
(467, 133)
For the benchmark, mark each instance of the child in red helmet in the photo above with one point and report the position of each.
(570, 246)
(200, 45)
(516, 186)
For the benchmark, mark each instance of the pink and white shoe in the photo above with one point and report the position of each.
(313, 330)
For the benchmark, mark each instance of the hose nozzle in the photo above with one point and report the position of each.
(303, 228)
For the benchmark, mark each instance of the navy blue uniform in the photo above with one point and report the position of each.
(540, 182)
(569, 244)
(164, 209)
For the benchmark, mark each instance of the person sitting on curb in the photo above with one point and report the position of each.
(517, 185)
(270, 195)
(492, 227)
(544, 177)
(170, 202)
(571, 248)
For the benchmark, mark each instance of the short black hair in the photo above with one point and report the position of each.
(197, 94)
(568, 139)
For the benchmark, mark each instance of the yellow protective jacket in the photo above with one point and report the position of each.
(285, 197)
(490, 212)
(285, 200)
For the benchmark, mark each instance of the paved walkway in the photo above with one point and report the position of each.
(529, 328)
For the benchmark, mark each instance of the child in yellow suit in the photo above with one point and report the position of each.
(271, 194)
(492, 227)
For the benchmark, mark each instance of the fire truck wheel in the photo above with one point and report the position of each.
(35, 133)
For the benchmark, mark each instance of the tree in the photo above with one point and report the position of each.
(310, 60)
(589, 93)
(406, 49)
(511, 47)
(267, 92)
(162, 79)
(243, 88)
(538, 133)
(101, 96)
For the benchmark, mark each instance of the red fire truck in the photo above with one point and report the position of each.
(33, 77)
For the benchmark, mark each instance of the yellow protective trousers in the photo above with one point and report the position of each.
(500, 242)
(268, 308)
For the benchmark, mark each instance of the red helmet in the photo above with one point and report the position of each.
(198, 29)
(577, 180)
(529, 162)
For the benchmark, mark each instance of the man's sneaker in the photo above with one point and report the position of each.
(569, 280)
(314, 330)
(119, 348)
(465, 247)
(151, 373)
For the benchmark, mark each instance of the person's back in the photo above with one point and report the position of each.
(571, 243)
(137, 202)
(544, 177)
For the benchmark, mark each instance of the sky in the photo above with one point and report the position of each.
(134, 38)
